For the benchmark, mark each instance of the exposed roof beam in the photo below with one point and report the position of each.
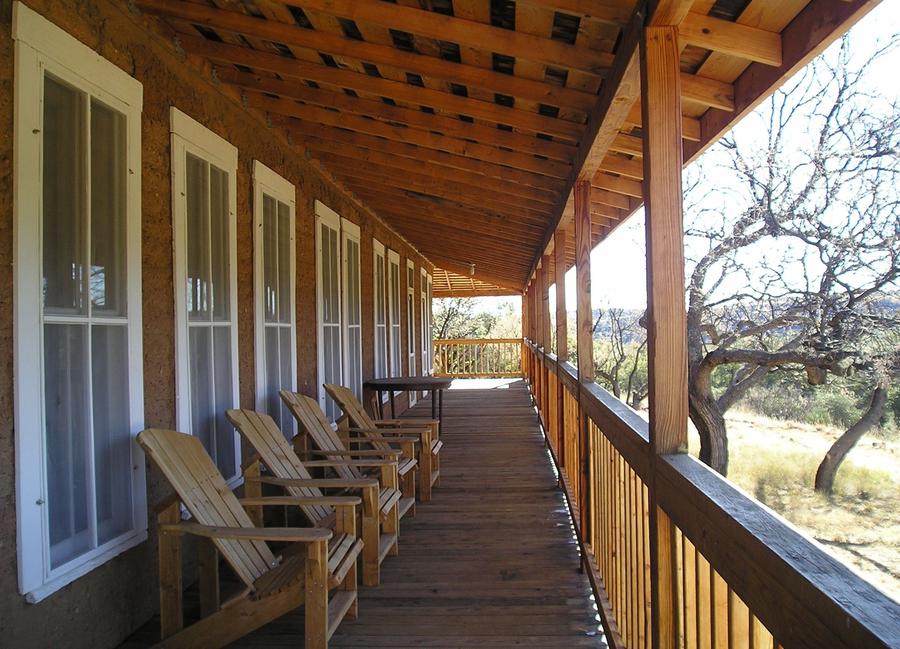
(302, 70)
(321, 41)
(466, 32)
(819, 24)
(417, 119)
(618, 94)
(429, 140)
(424, 157)
(742, 41)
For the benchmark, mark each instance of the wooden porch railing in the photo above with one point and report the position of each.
(743, 578)
(467, 358)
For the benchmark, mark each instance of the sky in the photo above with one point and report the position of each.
(617, 264)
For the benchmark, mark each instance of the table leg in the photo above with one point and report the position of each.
(393, 409)
(380, 406)
(440, 409)
(433, 404)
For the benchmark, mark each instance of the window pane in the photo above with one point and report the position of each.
(333, 295)
(201, 402)
(286, 299)
(219, 243)
(287, 420)
(353, 312)
(63, 199)
(354, 380)
(108, 171)
(112, 437)
(198, 280)
(270, 260)
(224, 391)
(273, 373)
(68, 441)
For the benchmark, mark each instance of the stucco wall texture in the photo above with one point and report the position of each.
(101, 608)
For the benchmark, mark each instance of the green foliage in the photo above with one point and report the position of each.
(468, 318)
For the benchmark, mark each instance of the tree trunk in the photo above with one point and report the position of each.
(708, 418)
(710, 425)
(844, 444)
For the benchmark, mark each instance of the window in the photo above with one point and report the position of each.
(80, 483)
(378, 278)
(328, 304)
(274, 272)
(352, 304)
(204, 167)
(394, 310)
(338, 305)
(425, 321)
(411, 323)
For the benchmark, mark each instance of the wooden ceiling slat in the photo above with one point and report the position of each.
(617, 184)
(468, 33)
(292, 35)
(301, 70)
(355, 157)
(424, 156)
(464, 195)
(426, 139)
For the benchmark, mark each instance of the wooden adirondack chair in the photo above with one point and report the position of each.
(361, 422)
(379, 503)
(314, 562)
(328, 443)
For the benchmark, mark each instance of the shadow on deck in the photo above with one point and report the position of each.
(492, 560)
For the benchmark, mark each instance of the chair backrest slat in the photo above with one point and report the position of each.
(355, 412)
(201, 487)
(312, 421)
(263, 434)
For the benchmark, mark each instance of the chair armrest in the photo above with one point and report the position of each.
(357, 463)
(358, 453)
(316, 482)
(392, 431)
(279, 534)
(332, 501)
(411, 421)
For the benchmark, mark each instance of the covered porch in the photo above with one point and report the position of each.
(493, 144)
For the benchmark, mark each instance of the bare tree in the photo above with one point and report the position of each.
(620, 359)
(796, 280)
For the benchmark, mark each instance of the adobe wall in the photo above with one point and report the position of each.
(103, 607)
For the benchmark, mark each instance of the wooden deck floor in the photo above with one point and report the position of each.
(490, 561)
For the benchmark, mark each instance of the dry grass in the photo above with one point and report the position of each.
(776, 461)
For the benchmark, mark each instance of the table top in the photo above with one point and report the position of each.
(409, 383)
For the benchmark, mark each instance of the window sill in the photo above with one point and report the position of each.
(56, 583)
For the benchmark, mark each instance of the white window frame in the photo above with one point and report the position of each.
(325, 215)
(269, 183)
(395, 357)
(189, 136)
(411, 308)
(41, 46)
(379, 252)
(350, 232)
(425, 321)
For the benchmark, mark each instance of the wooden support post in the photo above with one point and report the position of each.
(559, 249)
(666, 324)
(584, 331)
(584, 314)
(546, 281)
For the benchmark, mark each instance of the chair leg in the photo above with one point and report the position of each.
(425, 467)
(347, 525)
(371, 536)
(316, 597)
(171, 615)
